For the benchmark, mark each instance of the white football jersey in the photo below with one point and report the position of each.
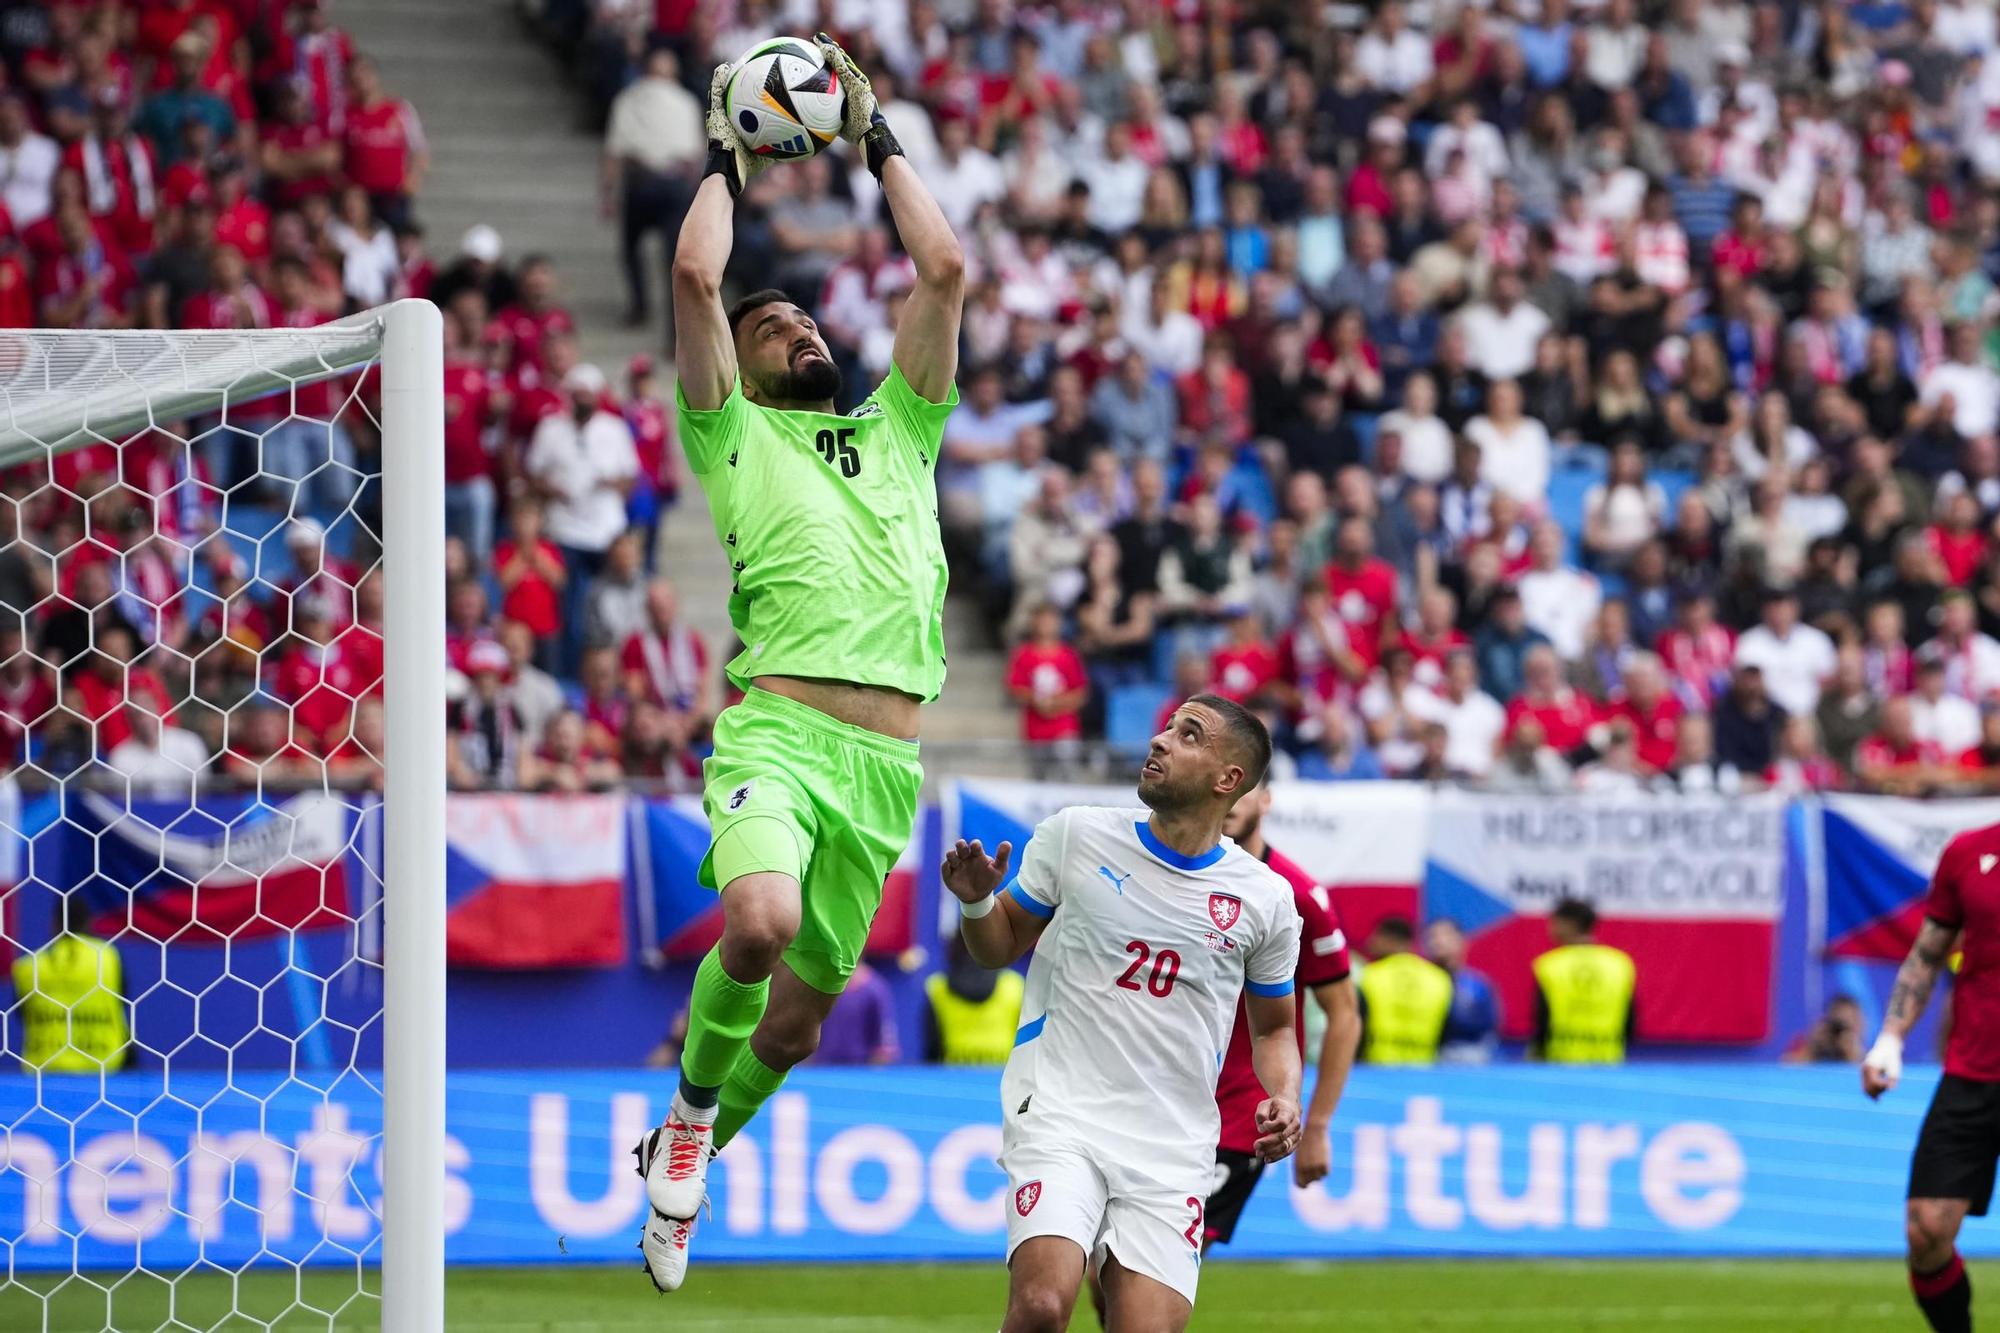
(1133, 986)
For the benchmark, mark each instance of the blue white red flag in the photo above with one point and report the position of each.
(535, 881)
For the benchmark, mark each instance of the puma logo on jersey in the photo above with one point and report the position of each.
(869, 409)
(739, 796)
(1117, 881)
(1330, 944)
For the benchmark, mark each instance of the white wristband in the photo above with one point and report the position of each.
(1885, 1057)
(973, 911)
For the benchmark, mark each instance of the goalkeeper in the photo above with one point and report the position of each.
(830, 526)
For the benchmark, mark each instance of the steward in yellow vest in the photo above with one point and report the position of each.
(69, 1002)
(974, 1011)
(1405, 999)
(1583, 992)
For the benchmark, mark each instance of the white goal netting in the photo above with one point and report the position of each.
(192, 630)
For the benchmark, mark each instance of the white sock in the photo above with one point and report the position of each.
(694, 1115)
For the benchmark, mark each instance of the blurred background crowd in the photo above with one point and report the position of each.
(1537, 395)
(1544, 395)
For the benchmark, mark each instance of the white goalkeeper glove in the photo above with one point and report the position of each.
(1884, 1061)
(864, 126)
(727, 157)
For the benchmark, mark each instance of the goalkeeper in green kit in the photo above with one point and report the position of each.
(830, 525)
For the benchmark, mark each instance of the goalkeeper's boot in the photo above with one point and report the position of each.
(664, 1242)
(674, 1160)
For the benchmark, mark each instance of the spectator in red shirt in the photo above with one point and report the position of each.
(300, 156)
(1894, 760)
(607, 703)
(354, 762)
(120, 178)
(526, 325)
(568, 759)
(321, 675)
(384, 149)
(1046, 677)
(667, 661)
(88, 284)
(1956, 538)
(1563, 715)
(109, 681)
(27, 693)
(1363, 587)
(1215, 396)
(323, 579)
(1435, 636)
(467, 621)
(1245, 667)
(646, 412)
(262, 752)
(531, 573)
(231, 300)
(1698, 653)
(470, 410)
(1651, 709)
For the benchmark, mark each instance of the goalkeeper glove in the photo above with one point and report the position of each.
(864, 125)
(727, 157)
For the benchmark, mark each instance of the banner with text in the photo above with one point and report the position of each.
(1690, 888)
(899, 1164)
(1878, 853)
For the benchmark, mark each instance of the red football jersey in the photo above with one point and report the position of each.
(1364, 598)
(1565, 720)
(1322, 961)
(1655, 729)
(1965, 894)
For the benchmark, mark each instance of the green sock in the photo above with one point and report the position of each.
(722, 1013)
(749, 1086)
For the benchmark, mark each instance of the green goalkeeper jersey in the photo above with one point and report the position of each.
(830, 525)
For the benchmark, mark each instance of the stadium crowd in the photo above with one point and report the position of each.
(1542, 395)
(206, 597)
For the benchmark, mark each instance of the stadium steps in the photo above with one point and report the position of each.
(501, 119)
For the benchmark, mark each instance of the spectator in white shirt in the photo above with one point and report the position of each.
(1501, 331)
(1427, 443)
(1965, 386)
(1485, 151)
(1947, 720)
(1473, 720)
(654, 147)
(1514, 449)
(1616, 47)
(1117, 181)
(1169, 339)
(28, 164)
(159, 760)
(965, 176)
(584, 464)
(1392, 59)
(1624, 511)
(1795, 659)
(1559, 601)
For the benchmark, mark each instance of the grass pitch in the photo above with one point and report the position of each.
(1405, 1296)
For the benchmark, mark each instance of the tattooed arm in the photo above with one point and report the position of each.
(1915, 979)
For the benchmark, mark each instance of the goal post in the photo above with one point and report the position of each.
(255, 397)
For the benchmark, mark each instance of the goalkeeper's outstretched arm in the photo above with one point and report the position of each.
(927, 338)
(1882, 1067)
(704, 353)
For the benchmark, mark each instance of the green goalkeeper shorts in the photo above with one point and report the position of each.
(794, 791)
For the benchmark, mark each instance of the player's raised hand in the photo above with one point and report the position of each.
(722, 135)
(1314, 1158)
(1278, 1128)
(1882, 1067)
(972, 875)
(862, 113)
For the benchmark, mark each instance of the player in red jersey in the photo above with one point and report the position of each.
(1323, 971)
(1951, 1172)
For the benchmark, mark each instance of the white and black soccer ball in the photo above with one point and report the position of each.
(784, 101)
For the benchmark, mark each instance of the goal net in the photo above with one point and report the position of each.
(221, 914)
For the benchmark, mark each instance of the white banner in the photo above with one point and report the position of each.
(1694, 858)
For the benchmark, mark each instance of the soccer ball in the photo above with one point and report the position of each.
(784, 101)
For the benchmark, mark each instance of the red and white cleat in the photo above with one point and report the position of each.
(664, 1242)
(674, 1161)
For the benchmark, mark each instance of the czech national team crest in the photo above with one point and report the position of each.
(1026, 1197)
(1223, 909)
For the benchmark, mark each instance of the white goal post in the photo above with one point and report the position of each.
(64, 391)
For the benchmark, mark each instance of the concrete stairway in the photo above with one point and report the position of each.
(505, 150)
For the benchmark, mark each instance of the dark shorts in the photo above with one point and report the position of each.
(1959, 1144)
(1236, 1175)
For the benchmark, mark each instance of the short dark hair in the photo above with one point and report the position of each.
(752, 303)
(1397, 928)
(1247, 731)
(1577, 913)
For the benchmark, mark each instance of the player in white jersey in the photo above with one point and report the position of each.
(1150, 926)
